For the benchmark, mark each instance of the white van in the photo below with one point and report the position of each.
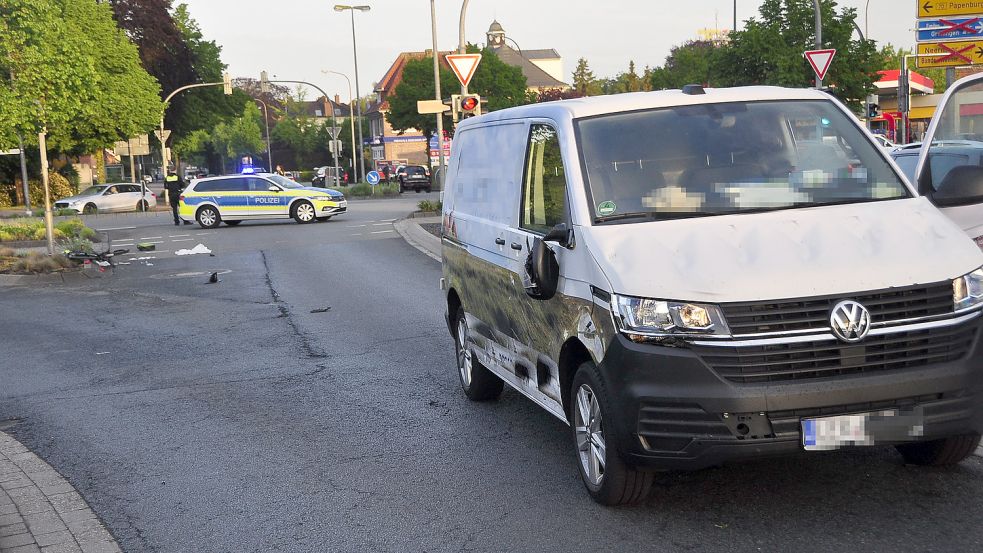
(694, 277)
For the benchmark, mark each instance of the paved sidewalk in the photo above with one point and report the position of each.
(416, 236)
(40, 511)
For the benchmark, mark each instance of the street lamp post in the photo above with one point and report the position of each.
(436, 88)
(266, 120)
(351, 114)
(462, 47)
(358, 94)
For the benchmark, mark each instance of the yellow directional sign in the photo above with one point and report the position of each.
(943, 8)
(951, 54)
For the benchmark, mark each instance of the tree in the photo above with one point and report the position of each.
(101, 96)
(501, 84)
(584, 80)
(628, 81)
(768, 51)
(688, 63)
(239, 136)
(891, 57)
(417, 84)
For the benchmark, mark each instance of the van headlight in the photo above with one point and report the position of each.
(967, 290)
(650, 317)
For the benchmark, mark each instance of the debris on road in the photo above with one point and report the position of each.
(200, 248)
(321, 310)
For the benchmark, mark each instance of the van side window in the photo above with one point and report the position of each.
(544, 185)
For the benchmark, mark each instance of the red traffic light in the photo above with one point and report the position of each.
(469, 103)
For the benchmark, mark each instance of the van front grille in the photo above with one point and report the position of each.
(813, 313)
(827, 358)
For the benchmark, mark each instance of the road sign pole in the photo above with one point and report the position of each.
(436, 87)
(819, 39)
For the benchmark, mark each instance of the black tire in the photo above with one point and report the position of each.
(617, 483)
(208, 217)
(90, 209)
(429, 190)
(938, 453)
(478, 383)
(232, 223)
(418, 190)
(143, 206)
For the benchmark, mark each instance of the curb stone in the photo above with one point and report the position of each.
(413, 233)
(40, 511)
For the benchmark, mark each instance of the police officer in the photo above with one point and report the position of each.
(174, 185)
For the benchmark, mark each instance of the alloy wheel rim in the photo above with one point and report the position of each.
(463, 352)
(208, 217)
(591, 447)
(305, 212)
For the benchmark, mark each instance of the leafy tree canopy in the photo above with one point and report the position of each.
(101, 96)
(769, 50)
(689, 63)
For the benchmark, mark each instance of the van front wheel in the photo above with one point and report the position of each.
(478, 382)
(608, 480)
(937, 453)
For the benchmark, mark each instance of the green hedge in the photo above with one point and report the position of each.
(364, 190)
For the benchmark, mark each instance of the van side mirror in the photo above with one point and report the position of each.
(542, 270)
(559, 234)
(962, 185)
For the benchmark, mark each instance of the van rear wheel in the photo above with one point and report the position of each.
(478, 382)
(938, 453)
(608, 479)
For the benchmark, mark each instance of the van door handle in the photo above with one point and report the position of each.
(500, 241)
(517, 246)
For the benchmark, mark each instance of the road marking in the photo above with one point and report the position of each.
(150, 237)
(115, 228)
(356, 234)
(380, 224)
(178, 235)
(183, 240)
(381, 231)
(387, 220)
(201, 233)
(357, 226)
(124, 244)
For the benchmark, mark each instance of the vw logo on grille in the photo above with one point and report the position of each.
(850, 321)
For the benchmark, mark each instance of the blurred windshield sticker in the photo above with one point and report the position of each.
(606, 208)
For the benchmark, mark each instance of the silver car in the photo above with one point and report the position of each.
(110, 197)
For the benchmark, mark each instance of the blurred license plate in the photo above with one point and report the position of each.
(844, 430)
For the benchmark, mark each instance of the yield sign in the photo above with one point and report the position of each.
(463, 66)
(820, 61)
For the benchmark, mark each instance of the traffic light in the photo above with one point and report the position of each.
(227, 83)
(470, 104)
(873, 111)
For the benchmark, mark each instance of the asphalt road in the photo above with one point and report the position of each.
(309, 402)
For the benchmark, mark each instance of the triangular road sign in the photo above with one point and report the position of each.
(463, 66)
(334, 131)
(820, 61)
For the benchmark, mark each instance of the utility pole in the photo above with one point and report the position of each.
(436, 88)
(819, 37)
(23, 175)
(462, 47)
(48, 217)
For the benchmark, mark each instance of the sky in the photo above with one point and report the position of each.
(297, 39)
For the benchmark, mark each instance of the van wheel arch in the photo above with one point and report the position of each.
(453, 304)
(573, 354)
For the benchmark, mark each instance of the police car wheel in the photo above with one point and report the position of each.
(304, 212)
(208, 217)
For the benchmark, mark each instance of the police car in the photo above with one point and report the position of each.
(236, 198)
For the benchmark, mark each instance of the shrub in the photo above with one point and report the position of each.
(428, 205)
(75, 227)
(34, 229)
(57, 185)
(365, 190)
(305, 176)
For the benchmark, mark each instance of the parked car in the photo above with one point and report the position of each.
(884, 143)
(414, 177)
(765, 283)
(110, 197)
(319, 178)
(236, 198)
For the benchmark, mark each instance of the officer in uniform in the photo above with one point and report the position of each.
(174, 185)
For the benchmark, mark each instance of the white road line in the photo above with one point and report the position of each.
(115, 228)
(356, 226)
(178, 235)
(356, 234)
(381, 224)
(183, 240)
(201, 233)
(387, 220)
(381, 231)
(150, 237)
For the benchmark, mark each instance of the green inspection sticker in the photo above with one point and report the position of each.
(606, 208)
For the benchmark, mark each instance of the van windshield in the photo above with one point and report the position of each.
(716, 159)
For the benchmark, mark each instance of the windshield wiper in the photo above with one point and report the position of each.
(631, 215)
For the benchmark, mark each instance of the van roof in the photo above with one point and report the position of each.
(614, 103)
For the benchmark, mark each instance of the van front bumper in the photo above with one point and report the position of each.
(674, 411)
